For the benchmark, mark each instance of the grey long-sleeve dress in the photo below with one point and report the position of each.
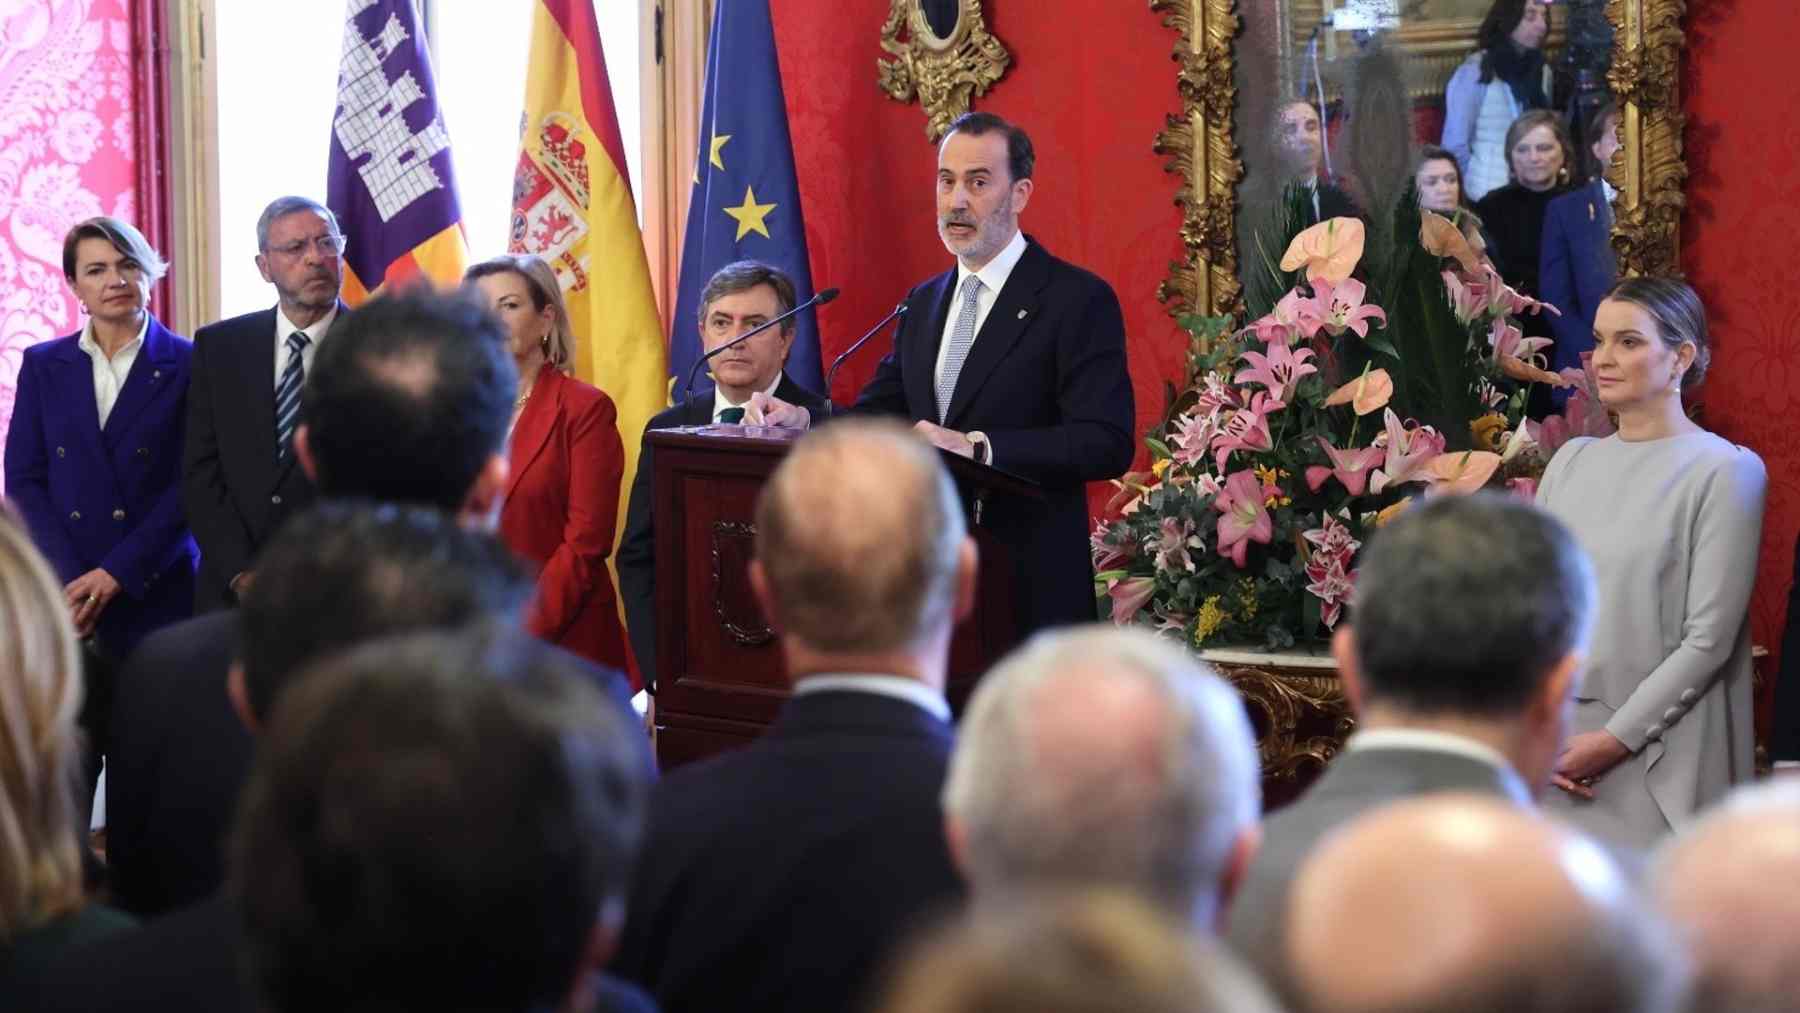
(1673, 527)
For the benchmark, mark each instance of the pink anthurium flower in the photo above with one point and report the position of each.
(1461, 473)
(1366, 393)
(1279, 371)
(1246, 429)
(1328, 250)
(1339, 307)
(1284, 324)
(1242, 517)
(1408, 451)
(1350, 467)
(1129, 597)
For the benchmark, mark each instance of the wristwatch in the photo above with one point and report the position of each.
(984, 451)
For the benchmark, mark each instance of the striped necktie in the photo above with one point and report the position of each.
(960, 339)
(287, 394)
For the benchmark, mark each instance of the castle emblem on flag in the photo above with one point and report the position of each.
(550, 199)
(393, 160)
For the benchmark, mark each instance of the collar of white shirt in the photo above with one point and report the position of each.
(87, 343)
(898, 687)
(1437, 742)
(285, 327)
(721, 402)
(994, 273)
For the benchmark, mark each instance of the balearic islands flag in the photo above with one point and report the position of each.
(389, 181)
(572, 205)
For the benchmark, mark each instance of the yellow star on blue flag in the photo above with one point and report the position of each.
(750, 215)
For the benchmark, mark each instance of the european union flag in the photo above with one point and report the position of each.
(746, 203)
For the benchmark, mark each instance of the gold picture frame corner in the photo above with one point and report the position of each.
(943, 74)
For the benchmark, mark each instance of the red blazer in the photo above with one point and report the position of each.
(562, 506)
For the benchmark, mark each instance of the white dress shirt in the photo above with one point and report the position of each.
(897, 686)
(993, 277)
(721, 402)
(110, 374)
(285, 327)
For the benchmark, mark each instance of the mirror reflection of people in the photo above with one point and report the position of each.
(1502, 79)
(1672, 516)
(1438, 181)
(1300, 152)
(1576, 266)
(566, 459)
(1540, 156)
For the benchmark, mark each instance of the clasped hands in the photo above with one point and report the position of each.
(766, 410)
(87, 596)
(1585, 759)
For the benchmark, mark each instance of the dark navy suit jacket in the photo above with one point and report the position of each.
(780, 876)
(108, 498)
(235, 490)
(1576, 268)
(1046, 381)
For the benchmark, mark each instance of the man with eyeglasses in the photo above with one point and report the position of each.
(240, 478)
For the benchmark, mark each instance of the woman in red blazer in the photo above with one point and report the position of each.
(562, 494)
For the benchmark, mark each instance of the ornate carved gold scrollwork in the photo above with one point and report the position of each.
(944, 72)
(1301, 717)
(1649, 173)
(1201, 149)
(1646, 79)
(733, 543)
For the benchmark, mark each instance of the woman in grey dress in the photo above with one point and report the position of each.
(1672, 516)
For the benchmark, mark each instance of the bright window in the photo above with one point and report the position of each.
(275, 126)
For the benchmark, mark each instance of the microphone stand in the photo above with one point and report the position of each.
(821, 299)
(831, 374)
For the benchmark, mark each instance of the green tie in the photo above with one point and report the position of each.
(731, 416)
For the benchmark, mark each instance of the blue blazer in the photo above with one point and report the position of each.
(108, 498)
(1576, 268)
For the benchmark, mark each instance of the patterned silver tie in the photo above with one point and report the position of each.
(287, 393)
(961, 337)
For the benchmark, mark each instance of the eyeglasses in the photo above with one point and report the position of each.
(328, 245)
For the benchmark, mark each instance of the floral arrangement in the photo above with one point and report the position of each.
(1300, 433)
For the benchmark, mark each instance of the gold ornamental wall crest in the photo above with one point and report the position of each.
(943, 55)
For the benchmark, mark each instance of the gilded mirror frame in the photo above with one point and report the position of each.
(945, 74)
(1649, 170)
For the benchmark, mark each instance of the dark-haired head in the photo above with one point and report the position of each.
(407, 401)
(439, 821)
(1021, 159)
(1679, 314)
(346, 572)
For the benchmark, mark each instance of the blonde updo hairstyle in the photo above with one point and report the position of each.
(1680, 317)
(40, 695)
(540, 281)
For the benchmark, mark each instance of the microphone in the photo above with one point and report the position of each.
(818, 300)
(830, 374)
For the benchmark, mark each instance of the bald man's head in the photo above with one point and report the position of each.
(1468, 904)
(860, 540)
(1731, 885)
(1105, 757)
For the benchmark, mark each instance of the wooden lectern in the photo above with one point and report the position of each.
(720, 678)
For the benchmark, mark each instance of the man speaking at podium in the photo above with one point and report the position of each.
(1014, 358)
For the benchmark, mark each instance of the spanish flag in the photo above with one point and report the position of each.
(572, 205)
(389, 179)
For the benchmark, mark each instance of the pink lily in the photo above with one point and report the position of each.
(1173, 540)
(1129, 596)
(1507, 340)
(1246, 429)
(1523, 487)
(1328, 567)
(1339, 307)
(1350, 467)
(1279, 371)
(1467, 299)
(1283, 325)
(1504, 300)
(1215, 394)
(1242, 517)
(1408, 451)
(1193, 434)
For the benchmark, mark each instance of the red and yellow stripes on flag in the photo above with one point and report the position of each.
(440, 260)
(572, 205)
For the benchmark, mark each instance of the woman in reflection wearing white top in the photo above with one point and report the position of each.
(1502, 79)
(93, 451)
(1672, 516)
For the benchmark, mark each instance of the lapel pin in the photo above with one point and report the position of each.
(1021, 314)
(1591, 214)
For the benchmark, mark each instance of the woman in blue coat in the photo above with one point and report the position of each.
(93, 454)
